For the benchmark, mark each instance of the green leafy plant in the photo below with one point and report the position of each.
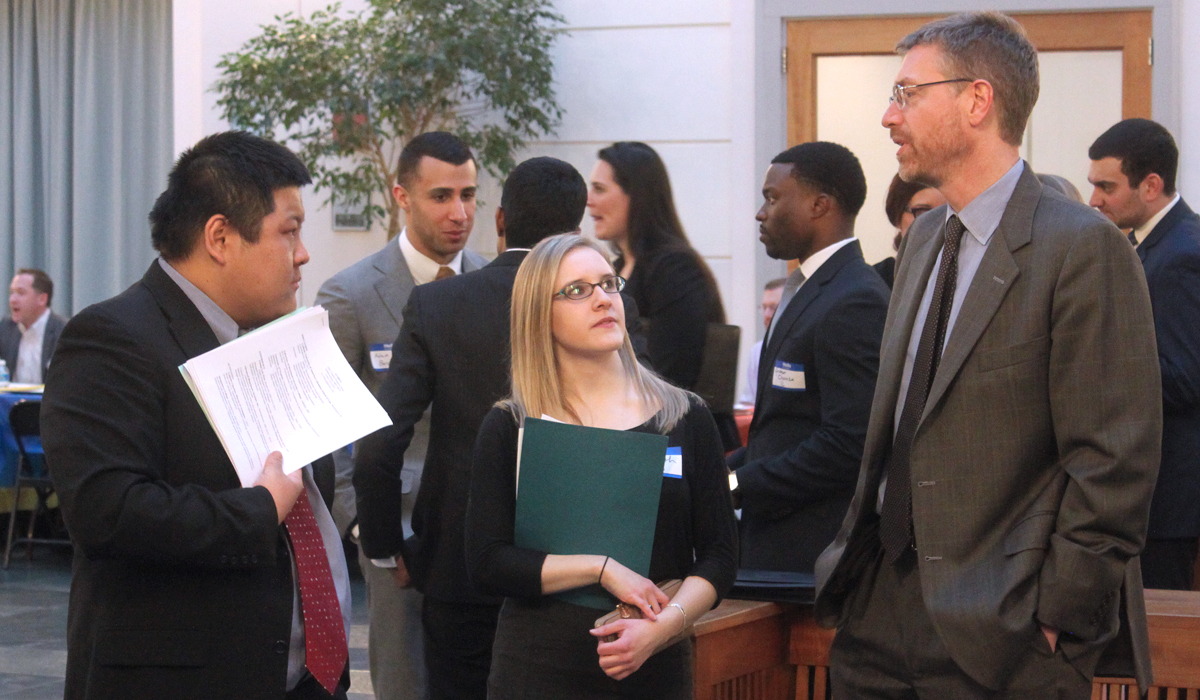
(347, 90)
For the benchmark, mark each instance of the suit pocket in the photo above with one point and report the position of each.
(1014, 354)
(1031, 533)
(152, 648)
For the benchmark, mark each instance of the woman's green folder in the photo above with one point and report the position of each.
(589, 491)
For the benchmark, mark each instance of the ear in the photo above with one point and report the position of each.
(500, 222)
(822, 204)
(1151, 187)
(218, 238)
(982, 104)
(401, 196)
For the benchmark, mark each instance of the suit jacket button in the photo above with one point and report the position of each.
(281, 647)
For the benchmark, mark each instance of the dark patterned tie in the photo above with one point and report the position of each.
(1133, 237)
(325, 648)
(443, 272)
(895, 525)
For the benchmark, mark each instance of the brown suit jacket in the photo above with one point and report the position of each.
(1036, 456)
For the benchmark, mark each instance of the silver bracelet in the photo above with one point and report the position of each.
(681, 612)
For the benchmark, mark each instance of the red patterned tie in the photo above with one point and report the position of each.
(324, 631)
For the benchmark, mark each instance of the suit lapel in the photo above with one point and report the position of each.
(1178, 213)
(187, 324)
(996, 274)
(395, 282)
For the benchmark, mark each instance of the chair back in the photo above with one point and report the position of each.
(717, 382)
(25, 417)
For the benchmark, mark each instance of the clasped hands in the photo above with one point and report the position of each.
(636, 639)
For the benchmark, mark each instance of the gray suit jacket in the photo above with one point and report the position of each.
(10, 342)
(366, 304)
(1036, 456)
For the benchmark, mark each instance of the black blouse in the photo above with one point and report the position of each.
(696, 534)
(677, 299)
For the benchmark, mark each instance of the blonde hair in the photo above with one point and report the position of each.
(536, 388)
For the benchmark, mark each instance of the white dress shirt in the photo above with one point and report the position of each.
(29, 353)
(422, 268)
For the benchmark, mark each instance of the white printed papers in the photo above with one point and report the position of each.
(286, 387)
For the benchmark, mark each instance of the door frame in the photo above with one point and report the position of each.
(1129, 31)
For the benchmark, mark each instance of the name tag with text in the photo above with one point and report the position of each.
(381, 356)
(674, 464)
(788, 376)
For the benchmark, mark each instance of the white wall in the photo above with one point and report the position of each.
(1188, 133)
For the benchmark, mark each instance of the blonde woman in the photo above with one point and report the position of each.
(572, 361)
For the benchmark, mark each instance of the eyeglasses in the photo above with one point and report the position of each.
(900, 92)
(577, 291)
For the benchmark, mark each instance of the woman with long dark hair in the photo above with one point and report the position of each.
(572, 361)
(630, 202)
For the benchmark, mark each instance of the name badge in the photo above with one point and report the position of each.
(674, 464)
(381, 356)
(788, 376)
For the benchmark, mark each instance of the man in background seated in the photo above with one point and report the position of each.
(772, 293)
(185, 584)
(452, 357)
(1133, 172)
(818, 366)
(28, 337)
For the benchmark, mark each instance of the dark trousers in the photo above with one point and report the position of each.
(1169, 564)
(888, 648)
(458, 648)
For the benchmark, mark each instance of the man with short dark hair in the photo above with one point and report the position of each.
(436, 181)
(452, 358)
(28, 336)
(1013, 440)
(1133, 173)
(818, 365)
(184, 583)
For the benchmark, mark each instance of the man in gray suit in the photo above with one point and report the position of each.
(436, 189)
(1014, 435)
(29, 335)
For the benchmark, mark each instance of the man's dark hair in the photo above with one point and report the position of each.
(1143, 147)
(441, 145)
(233, 174)
(899, 194)
(542, 197)
(42, 284)
(832, 169)
(775, 284)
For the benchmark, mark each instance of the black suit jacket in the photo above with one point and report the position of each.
(798, 472)
(182, 583)
(10, 342)
(452, 355)
(1171, 258)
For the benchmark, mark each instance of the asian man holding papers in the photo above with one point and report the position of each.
(186, 584)
(572, 361)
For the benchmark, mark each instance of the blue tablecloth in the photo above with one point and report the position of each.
(8, 470)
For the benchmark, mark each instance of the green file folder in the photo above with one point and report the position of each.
(589, 491)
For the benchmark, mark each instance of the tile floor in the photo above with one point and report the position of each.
(33, 627)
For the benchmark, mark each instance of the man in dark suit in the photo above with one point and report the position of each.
(1014, 433)
(436, 182)
(452, 356)
(818, 365)
(29, 335)
(1133, 172)
(184, 584)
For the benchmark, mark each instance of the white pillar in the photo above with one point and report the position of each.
(1188, 137)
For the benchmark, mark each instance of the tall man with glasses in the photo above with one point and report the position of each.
(1014, 435)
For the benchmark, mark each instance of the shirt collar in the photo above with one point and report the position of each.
(39, 325)
(982, 215)
(1144, 230)
(224, 327)
(814, 262)
(422, 268)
